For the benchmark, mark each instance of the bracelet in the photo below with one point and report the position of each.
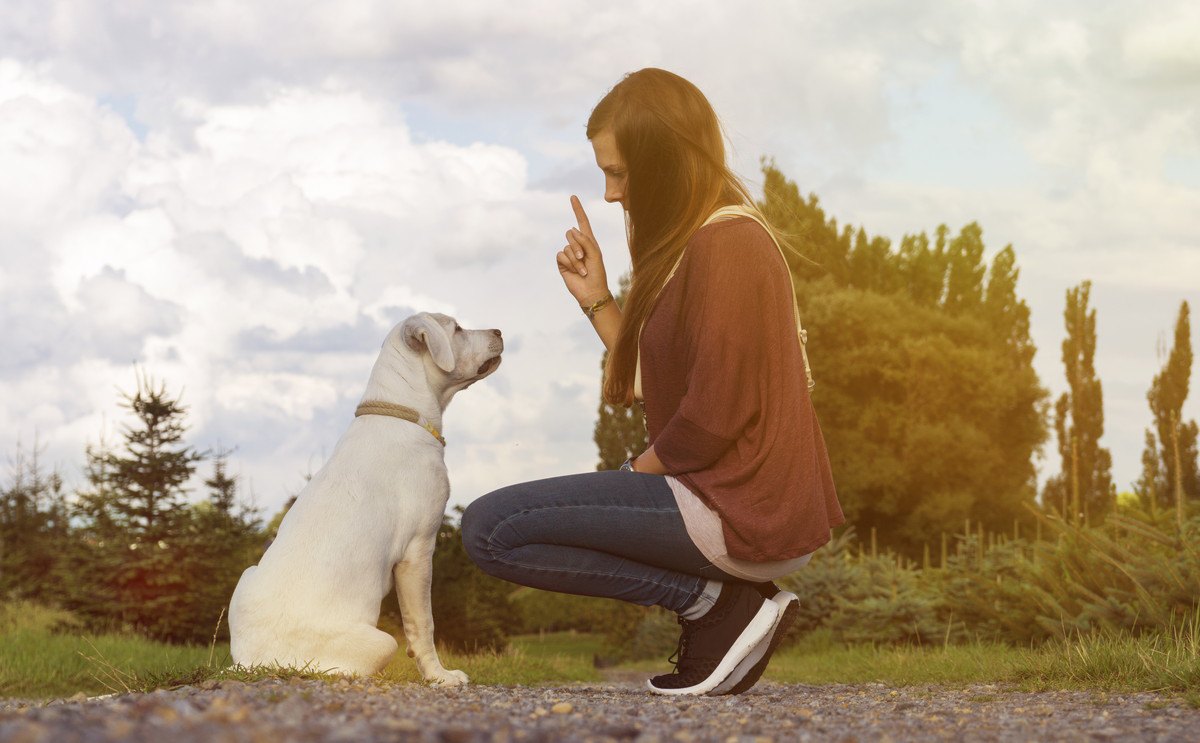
(596, 306)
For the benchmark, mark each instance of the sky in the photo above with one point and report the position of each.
(239, 199)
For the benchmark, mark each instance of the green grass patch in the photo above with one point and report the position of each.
(530, 660)
(1159, 661)
(1167, 661)
(1106, 661)
(35, 664)
(896, 666)
(819, 660)
(556, 644)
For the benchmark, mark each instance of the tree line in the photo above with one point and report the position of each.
(132, 551)
(926, 394)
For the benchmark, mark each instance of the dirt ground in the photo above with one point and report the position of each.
(277, 711)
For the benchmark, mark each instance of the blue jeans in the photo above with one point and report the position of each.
(611, 533)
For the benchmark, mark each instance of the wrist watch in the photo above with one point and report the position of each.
(627, 465)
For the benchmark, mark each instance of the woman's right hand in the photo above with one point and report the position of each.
(580, 261)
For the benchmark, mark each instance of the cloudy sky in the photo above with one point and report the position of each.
(241, 197)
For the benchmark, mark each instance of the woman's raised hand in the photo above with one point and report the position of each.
(580, 262)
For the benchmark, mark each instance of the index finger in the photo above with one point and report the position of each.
(581, 217)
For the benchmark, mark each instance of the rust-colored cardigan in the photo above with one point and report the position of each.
(727, 408)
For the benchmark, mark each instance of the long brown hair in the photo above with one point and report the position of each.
(674, 152)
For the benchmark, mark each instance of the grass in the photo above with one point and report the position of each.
(530, 660)
(1168, 662)
(1162, 661)
(36, 661)
(39, 664)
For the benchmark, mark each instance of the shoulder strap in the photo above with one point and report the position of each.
(730, 212)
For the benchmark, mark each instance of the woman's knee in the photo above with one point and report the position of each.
(479, 522)
(472, 529)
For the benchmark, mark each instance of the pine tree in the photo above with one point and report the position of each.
(135, 519)
(1170, 474)
(620, 432)
(1085, 483)
(142, 487)
(33, 531)
(223, 537)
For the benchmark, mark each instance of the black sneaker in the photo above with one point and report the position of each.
(711, 647)
(750, 670)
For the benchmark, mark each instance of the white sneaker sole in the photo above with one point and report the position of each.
(781, 599)
(758, 628)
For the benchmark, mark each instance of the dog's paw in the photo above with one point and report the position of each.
(449, 678)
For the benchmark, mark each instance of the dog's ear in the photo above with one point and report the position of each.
(422, 332)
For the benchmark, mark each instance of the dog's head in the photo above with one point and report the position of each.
(454, 357)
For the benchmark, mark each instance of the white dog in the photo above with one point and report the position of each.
(369, 517)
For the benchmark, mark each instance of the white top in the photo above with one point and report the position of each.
(704, 527)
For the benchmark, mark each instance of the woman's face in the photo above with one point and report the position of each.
(609, 159)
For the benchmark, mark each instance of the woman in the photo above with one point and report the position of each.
(735, 488)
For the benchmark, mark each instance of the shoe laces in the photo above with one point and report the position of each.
(684, 637)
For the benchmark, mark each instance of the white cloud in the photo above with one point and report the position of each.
(1163, 46)
(61, 153)
(243, 251)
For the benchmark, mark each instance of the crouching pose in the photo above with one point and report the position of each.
(735, 488)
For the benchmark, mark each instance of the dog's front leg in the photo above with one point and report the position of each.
(414, 576)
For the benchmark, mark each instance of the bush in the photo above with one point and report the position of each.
(1136, 573)
(33, 618)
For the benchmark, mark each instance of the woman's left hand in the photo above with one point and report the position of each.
(580, 261)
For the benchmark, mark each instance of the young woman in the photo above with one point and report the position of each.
(735, 488)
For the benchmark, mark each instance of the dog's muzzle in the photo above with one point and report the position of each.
(488, 366)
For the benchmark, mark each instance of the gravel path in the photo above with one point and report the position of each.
(362, 710)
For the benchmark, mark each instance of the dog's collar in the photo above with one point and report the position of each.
(402, 412)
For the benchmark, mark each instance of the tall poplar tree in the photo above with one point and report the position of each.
(923, 268)
(1019, 429)
(964, 277)
(1083, 490)
(1169, 464)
